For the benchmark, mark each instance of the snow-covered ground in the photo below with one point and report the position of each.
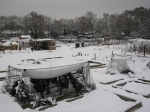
(103, 99)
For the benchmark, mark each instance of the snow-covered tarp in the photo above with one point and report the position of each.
(121, 65)
(49, 69)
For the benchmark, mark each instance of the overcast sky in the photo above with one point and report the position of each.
(68, 8)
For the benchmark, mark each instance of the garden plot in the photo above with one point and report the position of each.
(104, 102)
(145, 79)
(136, 87)
(106, 78)
(2, 76)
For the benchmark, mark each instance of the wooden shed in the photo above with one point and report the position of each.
(7, 45)
(44, 44)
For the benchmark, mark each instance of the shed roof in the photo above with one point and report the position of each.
(25, 36)
(39, 40)
(8, 43)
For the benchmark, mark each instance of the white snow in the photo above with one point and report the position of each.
(47, 63)
(142, 89)
(8, 104)
(95, 101)
(103, 99)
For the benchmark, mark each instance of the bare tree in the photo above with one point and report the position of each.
(112, 23)
(36, 24)
(19, 25)
(81, 24)
(11, 24)
(106, 17)
(64, 23)
(90, 20)
(99, 25)
(25, 24)
(2, 23)
(48, 25)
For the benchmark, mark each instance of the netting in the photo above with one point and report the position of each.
(13, 75)
(88, 77)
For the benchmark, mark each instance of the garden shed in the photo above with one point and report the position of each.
(7, 45)
(43, 44)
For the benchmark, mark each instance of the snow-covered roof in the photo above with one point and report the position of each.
(8, 43)
(89, 35)
(25, 36)
(38, 40)
(14, 39)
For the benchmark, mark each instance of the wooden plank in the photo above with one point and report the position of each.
(3, 71)
(144, 80)
(43, 108)
(73, 99)
(126, 98)
(96, 62)
(147, 96)
(129, 91)
(2, 78)
(131, 109)
(98, 67)
(134, 107)
(110, 82)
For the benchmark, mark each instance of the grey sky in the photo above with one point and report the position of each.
(68, 8)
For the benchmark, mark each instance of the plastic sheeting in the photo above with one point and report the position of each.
(14, 74)
(48, 69)
(52, 72)
(121, 62)
(88, 77)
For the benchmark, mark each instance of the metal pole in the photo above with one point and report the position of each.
(133, 65)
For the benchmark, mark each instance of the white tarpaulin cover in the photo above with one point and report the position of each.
(50, 68)
(121, 62)
(52, 72)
